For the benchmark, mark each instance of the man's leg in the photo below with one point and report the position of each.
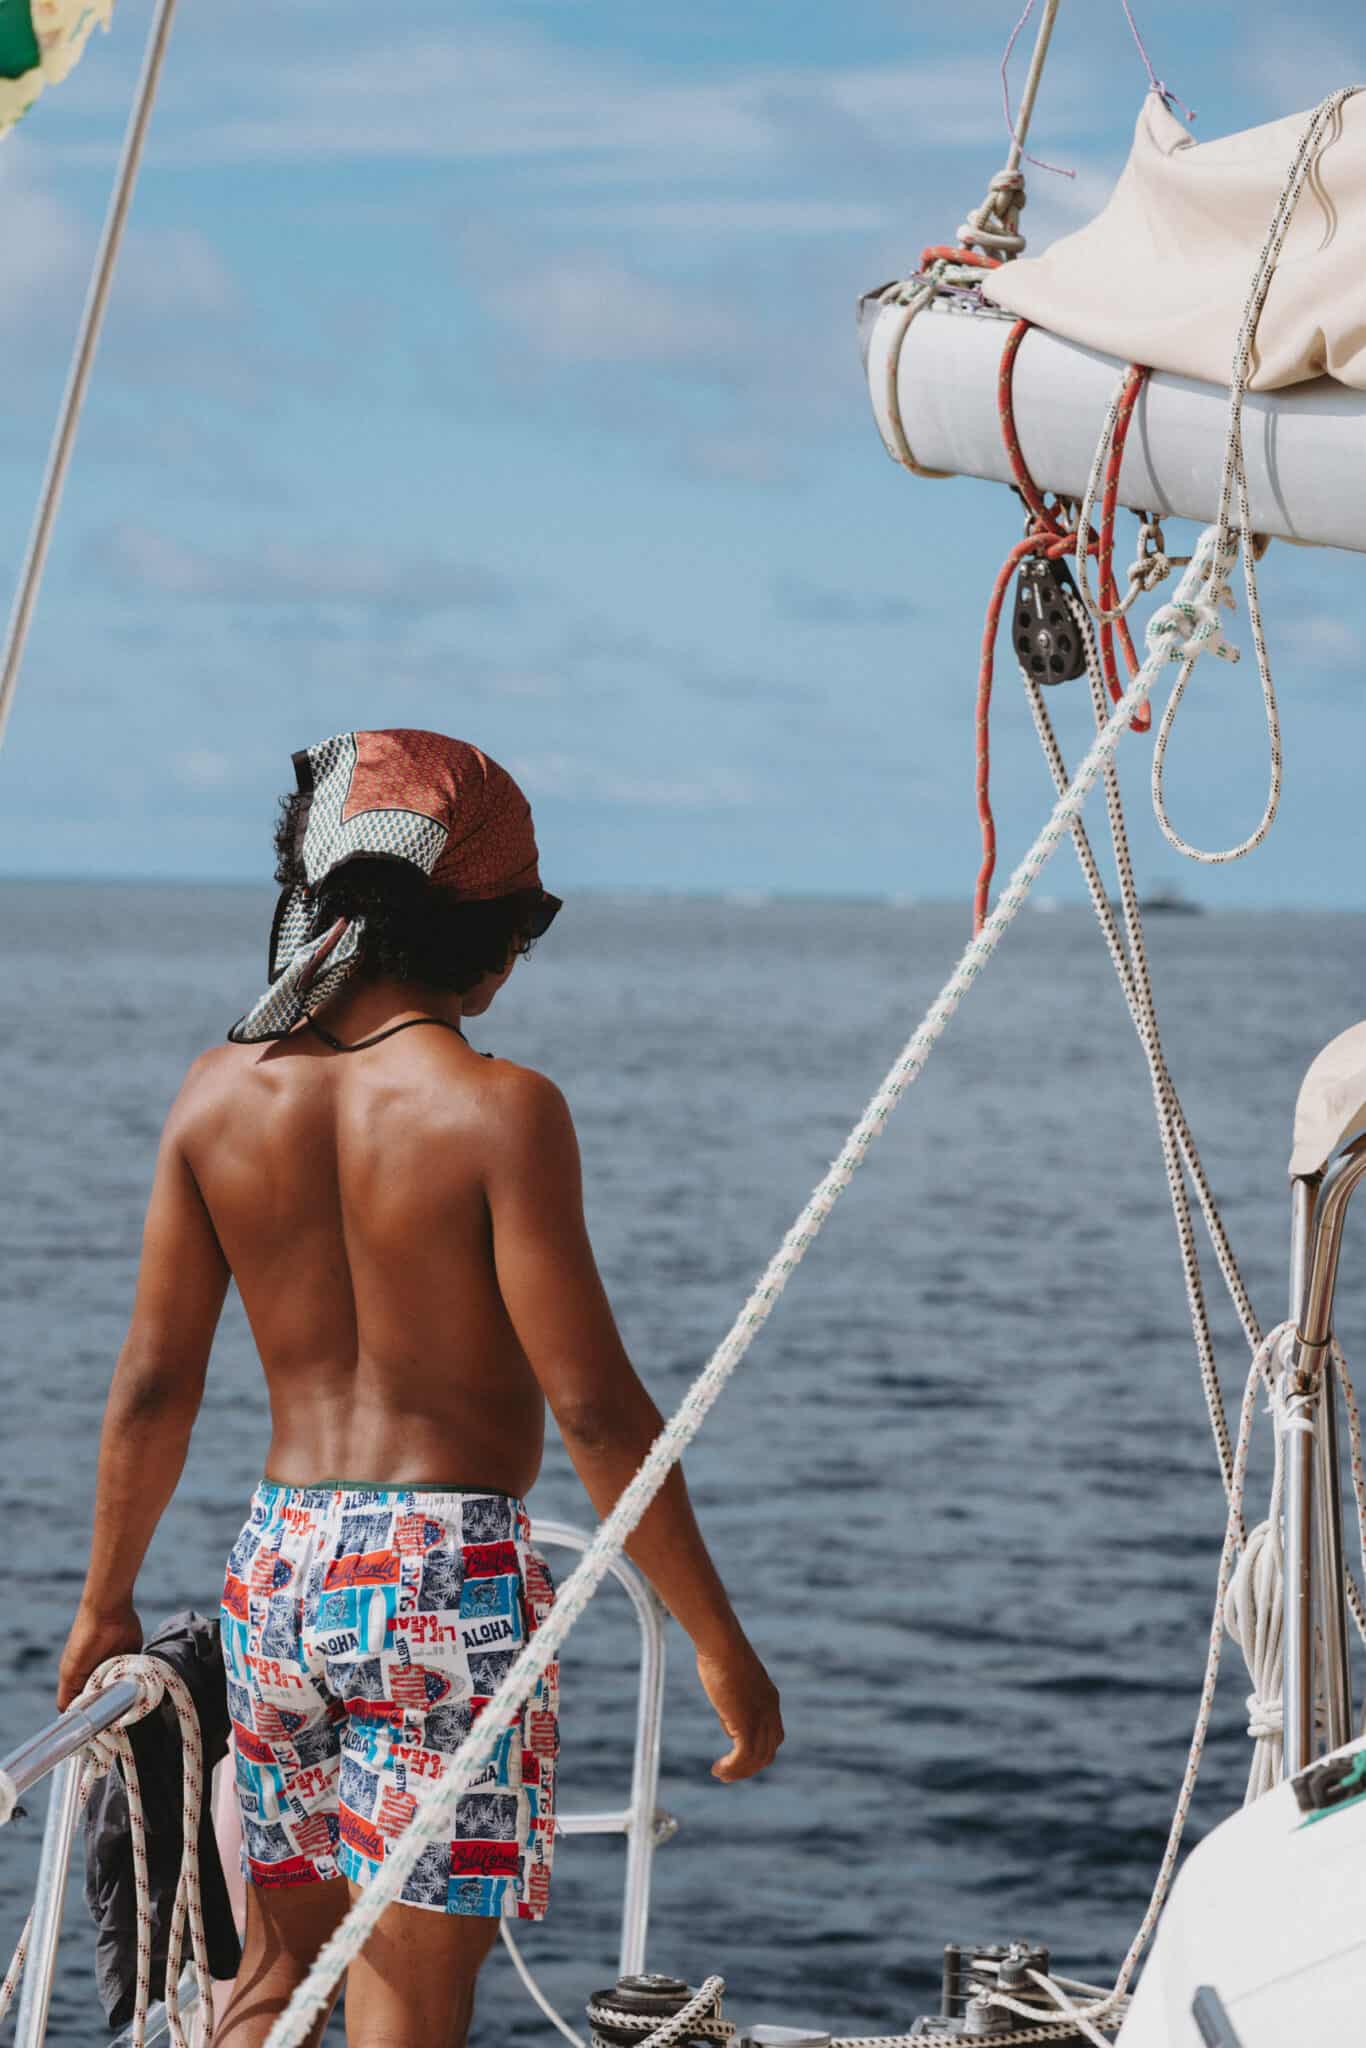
(286, 1926)
(412, 1985)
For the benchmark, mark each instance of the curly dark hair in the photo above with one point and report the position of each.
(413, 932)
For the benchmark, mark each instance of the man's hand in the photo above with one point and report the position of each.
(746, 1703)
(94, 1637)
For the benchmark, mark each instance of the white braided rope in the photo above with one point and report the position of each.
(16, 1968)
(1070, 2014)
(1130, 963)
(1168, 639)
(1039, 2035)
(1254, 1607)
(995, 225)
(1101, 2011)
(154, 1679)
(1234, 479)
(912, 295)
(1349, 1398)
(1254, 1616)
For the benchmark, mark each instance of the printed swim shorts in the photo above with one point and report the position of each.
(364, 1629)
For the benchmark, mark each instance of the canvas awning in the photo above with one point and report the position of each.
(1160, 276)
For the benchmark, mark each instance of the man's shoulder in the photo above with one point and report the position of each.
(523, 1092)
(208, 1081)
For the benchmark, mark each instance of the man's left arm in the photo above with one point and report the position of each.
(157, 1388)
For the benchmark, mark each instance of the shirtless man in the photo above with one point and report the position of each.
(403, 1219)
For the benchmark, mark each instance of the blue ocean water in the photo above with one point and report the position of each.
(962, 1489)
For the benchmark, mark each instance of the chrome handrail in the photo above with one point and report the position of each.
(66, 1734)
(643, 1825)
(1315, 1584)
(53, 1752)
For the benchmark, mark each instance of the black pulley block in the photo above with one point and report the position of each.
(1048, 642)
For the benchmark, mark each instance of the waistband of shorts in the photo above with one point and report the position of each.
(379, 1491)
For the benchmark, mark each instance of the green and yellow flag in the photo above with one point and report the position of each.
(40, 41)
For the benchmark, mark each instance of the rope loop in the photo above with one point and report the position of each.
(149, 1674)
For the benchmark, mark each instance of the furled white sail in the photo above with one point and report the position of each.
(1160, 275)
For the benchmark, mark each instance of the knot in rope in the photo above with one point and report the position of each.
(1265, 1718)
(1152, 564)
(1253, 1615)
(1293, 1408)
(994, 225)
(102, 1751)
(1187, 627)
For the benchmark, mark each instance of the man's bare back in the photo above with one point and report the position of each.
(351, 1198)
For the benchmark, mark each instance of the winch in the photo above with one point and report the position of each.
(635, 2007)
(970, 1974)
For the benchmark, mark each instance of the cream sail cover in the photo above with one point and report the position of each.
(1332, 1102)
(1161, 274)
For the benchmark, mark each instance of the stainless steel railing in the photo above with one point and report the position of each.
(54, 1752)
(1317, 1665)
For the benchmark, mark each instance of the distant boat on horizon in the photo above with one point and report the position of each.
(1171, 902)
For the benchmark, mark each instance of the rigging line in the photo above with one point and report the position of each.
(1234, 482)
(1156, 84)
(1019, 128)
(82, 360)
(994, 225)
(1177, 1143)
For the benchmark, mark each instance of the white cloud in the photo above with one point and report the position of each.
(1295, 71)
(46, 248)
(202, 768)
(593, 307)
(290, 573)
(589, 781)
(738, 215)
(49, 250)
(509, 91)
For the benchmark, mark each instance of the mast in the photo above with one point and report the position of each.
(82, 360)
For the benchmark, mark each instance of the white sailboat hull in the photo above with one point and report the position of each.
(1305, 446)
(1269, 1913)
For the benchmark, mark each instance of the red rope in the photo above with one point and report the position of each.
(944, 252)
(1047, 536)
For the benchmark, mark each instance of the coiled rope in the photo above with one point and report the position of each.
(155, 1680)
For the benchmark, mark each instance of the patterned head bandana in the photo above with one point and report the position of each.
(439, 804)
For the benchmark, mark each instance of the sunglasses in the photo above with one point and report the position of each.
(543, 914)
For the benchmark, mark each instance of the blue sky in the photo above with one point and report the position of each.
(494, 369)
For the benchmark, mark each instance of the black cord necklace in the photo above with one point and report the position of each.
(338, 1045)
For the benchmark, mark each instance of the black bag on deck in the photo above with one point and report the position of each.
(190, 1645)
